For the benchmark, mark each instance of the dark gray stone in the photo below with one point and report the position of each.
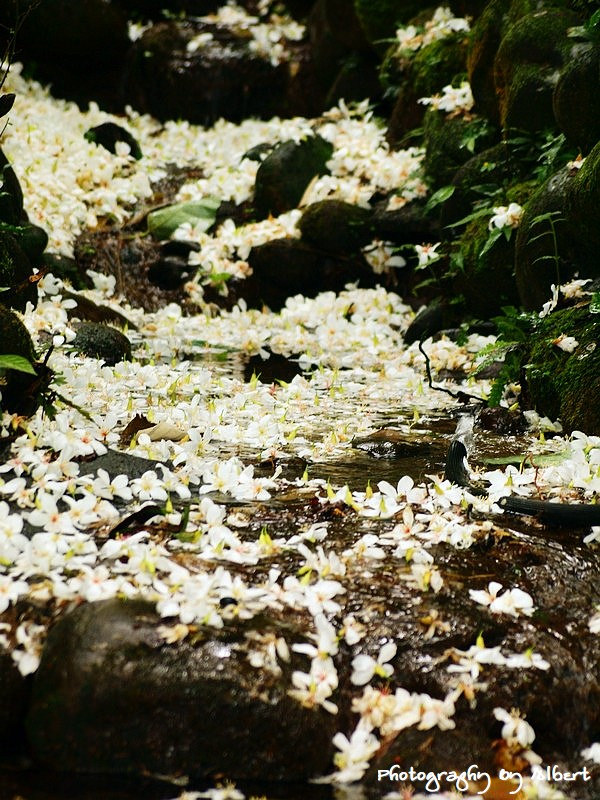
(110, 696)
(101, 341)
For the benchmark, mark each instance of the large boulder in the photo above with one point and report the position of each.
(559, 234)
(527, 66)
(576, 98)
(110, 696)
(14, 694)
(565, 384)
(15, 273)
(336, 226)
(283, 268)
(284, 175)
(173, 74)
(423, 74)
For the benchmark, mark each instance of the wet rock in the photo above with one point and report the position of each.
(11, 194)
(336, 226)
(283, 176)
(560, 383)
(102, 341)
(108, 134)
(356, 80)
(86, 309)
(221, 78)
(283, 268)
(429, 321)
(110, 696)
(502, 420)
(393, 443)
(576, 98)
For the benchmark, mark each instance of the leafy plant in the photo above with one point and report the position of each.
(514, 329)
(552, 218)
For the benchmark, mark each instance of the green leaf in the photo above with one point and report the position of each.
(482, 212)
(493, 237)
(17, 363)
(439, 197)
(163, 222)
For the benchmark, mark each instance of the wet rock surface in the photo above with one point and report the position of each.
(131, 703)
(102, 341)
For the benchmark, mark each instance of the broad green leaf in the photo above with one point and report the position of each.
(439, 197)
(17, 363)
(163, 222)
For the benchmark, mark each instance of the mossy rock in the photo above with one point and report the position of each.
(450, 142)
(102, 341)
(527, 65)
(576, 99)
(562, 384)
(486, 279)
(14, 336)
(15, 272)
(285, 173)
(487, 35)
(421, 75)
(535, 265)
(18, 391)
(381, 18)
(336, 226)
(573, 197)
(498, 165)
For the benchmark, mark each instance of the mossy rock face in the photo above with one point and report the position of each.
(527, 65)
(336, 226)
(486, 35)
(421, 75)
(535, 266)
(487, 277)
(573, 197)
(563, 384)
(284, 175)
(498, 165)
(14, 336)
(450, 142)
(102, 341)
(15, 272)
(576, 98)
(111, 697)
(381, 18)
(18, 391)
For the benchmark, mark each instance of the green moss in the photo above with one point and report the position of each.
(566, 384)
(336, 226)
(14, 336)
(450, 142)
(381, 18)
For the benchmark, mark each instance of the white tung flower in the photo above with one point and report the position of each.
(365, 667)
(506, 216)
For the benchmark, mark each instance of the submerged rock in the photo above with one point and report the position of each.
(111, 696)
